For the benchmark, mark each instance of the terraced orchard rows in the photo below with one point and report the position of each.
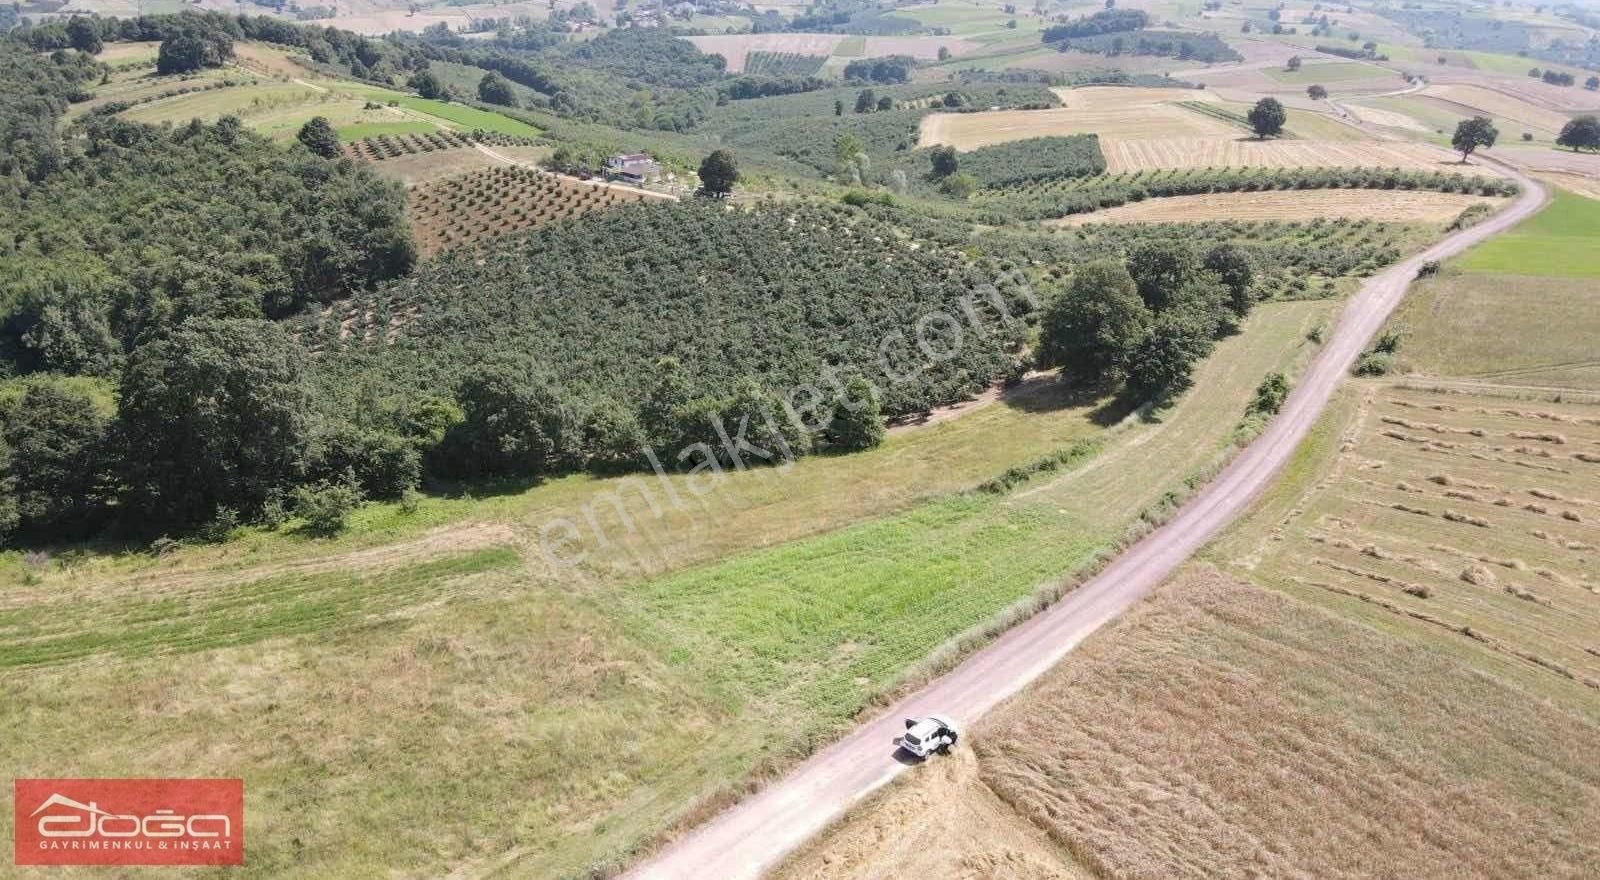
(383, 146)
(496, 201)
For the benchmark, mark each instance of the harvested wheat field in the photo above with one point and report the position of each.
(1126, 98)
(1125, 153)
(968, 131)
(1109, 111)
(1474, 514)
(1220, 729)
(1359, 204)
(1387, 118)
(1504, 108)
(924, 48)
(734, 47)
(941, 823)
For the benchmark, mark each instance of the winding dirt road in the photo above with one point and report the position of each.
(756, 833)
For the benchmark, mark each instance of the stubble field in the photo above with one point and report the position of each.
(1239, 151)
(1386, 205)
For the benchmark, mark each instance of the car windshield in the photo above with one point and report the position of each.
(912, 738)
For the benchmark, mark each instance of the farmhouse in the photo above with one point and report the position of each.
(633, 168)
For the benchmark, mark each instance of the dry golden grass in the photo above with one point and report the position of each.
(1220, 729)
(968, 131)
(942, 823)
(1125, 98)
(1388, 205)
(1583, 185)
(1503, 107)
(1125, 153)
(1224, 730)
(1387, 118)
(1428, 487)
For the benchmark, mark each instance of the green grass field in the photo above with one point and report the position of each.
(373, 129)
(243, 101)
(463, 116)
(1563, 240)
(1520, 309)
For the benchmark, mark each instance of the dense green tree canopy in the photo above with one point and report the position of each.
(1479, 131)
(1093, 328)
(319, 137)
(189, 50)
(60, 458)
(152, 226)
(84, 35)
(718, 173)
(1582, 133)
(1267, 118)
(213, 414)
(496, 89)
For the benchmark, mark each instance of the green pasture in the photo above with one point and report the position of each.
(1563, 240)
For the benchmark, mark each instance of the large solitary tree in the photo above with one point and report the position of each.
(1267, 118)
(1479, 131)
(944, 161)
(718, 174)
(1582, 133)
(1160, 268)
(1316, 93)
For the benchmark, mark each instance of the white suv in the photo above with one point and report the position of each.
(924, 736)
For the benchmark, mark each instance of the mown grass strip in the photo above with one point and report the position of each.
(227, 616)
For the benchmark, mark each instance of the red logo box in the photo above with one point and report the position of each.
(129, 821)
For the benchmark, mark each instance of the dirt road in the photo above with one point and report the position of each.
(753, 835)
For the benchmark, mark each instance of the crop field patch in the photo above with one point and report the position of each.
(1209, 719)
(735, 47)
(1511, 329)
(456, 211)
(1387, 205)
(1558, 241)
(1333, 72)
(967, 131)
(1475, 513)
(1143, 154)
(924, 48)
(245, 101)
(1507, 111)
(1388, 118)
(1126, 98)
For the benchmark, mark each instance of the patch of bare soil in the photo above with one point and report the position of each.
(940, 823)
